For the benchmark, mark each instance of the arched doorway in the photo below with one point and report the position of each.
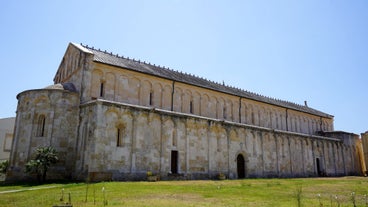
(240, 163)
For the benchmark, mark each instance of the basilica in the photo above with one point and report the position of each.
(115, 118)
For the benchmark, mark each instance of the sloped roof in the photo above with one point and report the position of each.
(163, 72)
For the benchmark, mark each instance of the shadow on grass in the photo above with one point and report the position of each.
(33, 183)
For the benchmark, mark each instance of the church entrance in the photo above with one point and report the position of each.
(240, 162)
(174, 162)
(319, 167)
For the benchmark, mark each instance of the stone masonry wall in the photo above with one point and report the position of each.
(206, 147)
(126, 86)
(45, 117)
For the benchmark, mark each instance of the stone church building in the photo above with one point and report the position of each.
(114, 118)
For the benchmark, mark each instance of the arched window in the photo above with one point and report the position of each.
(102, 92)
(174, 141)
(191, 106)
(120, 136)
(151, 98)
(41, 126)
(224, 112)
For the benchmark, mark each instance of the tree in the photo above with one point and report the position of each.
(44, 157)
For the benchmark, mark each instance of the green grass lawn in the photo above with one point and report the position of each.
(247, 192)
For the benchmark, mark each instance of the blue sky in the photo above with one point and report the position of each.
(291, 50)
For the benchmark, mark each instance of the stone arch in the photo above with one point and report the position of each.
(307, 125)
(24, 103)
(128, 121)
(304, 125)
(258, 115)
(110, 86)
(168, 132)
(146, 93)
(233, 135)
(300, 121)
(97, 78)
(221, 109)
(120, 134)
(278, 120)
(111, 121)
(120, 124)
(229, 105)
(178, 96)
(187, 101)
(214, 107)
(154, 123)
(266, 117)
(313, 127)
(157, 95)
(236, 108)
(292, 123)
(167, 97)
(121, 88)
(196, 102)
(267, 120)
(40, 122)
(281, 120)
(272, 118)
(240, 166)
(112, 113)
(206, 105)
(243, 112)
(134, 90)
(296, 123)
(251, 119)
(42, 102)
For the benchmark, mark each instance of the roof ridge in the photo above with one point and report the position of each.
(148, 63)
(130, 59)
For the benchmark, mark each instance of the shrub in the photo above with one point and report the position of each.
(44, 157)
(4, 166)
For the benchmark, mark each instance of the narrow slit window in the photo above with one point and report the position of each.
(41, 126)
(119, 138)
(151, 98)
(174, 138)
(102, 89)
(191, 107)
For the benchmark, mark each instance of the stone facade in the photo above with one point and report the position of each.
(130, 117)
(205, 147)
(6, 137)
